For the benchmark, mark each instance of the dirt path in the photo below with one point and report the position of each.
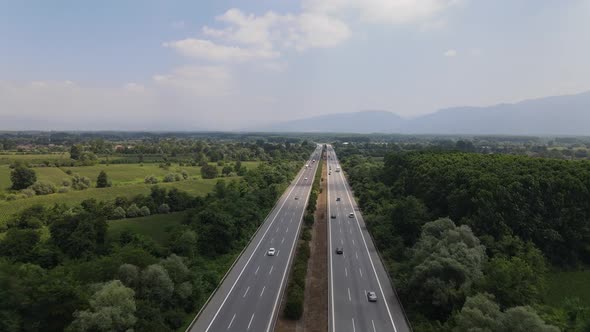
(315, 312)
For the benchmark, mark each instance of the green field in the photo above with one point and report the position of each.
(6, 159)
(568, 284)
(119, 174)
(155, 226)
(194, 187)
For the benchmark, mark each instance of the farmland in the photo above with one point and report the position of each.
(156, 227)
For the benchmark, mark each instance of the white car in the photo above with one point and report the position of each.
(371, 296)
(271, 252)
(351, 215)
(305, 179)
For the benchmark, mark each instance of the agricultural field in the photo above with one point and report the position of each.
(119, 174)
(156, 227)
(9, 158)
(194, 187)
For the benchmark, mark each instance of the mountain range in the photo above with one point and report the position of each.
(557, 115)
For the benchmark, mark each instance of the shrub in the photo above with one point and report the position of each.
(43, 188)
(184, 174)
(164, 208)
(28, 192)
(170, 177)
(63, 190)
(10, 197)
(177, 177)
(119, 213)
(150, 179)
(80, 182)
(66, 182)
(208, 172)
(144, 211)
(133, 211)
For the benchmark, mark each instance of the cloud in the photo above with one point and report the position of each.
(178, 25)
(450, 53)
(203, 81)
(208, 50)
(382, 11)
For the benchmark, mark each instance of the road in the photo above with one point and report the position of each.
(249, 297)
(358, 269)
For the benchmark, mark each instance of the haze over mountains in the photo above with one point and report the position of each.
(558, 115)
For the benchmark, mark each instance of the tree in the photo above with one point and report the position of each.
(112, 308)
(227, 170)
(177, 270)
(22, 177)
(208, 171)
(151, 179)
(19, 244)
(43, 188)
(447, 260)
(170, 177)
(185, 174)
(164, 208)
(119, 213)
(76, 151)
(133, 211)
(129, 275)
(144, 211)
(80, 182)
(102, 181)
(524, 319)
(156, 284)
(185, 243)
(479, 313)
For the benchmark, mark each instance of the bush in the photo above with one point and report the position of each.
(164, 208)
(119, 213)
(133, 211)
(66, 182)
(170, 177)
(63, 190)
(208, 172)
(28, 192)
(22, 177)
(177, 177)
(43, 188)
(80, 182)
(294, 305)
(151, 179)
(144, 211)
(10, 197)
(184, 174)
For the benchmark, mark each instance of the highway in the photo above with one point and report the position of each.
(249, 297)
(358, 269)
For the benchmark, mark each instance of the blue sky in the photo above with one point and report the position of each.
(235, 64)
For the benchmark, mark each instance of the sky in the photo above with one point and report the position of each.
(234, 65)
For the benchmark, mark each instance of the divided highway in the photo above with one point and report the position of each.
(249, 297)
(358, 269)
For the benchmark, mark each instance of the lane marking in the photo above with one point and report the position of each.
(341, 241)
(349, 299)
(246, 293)
(357, 255)
(272, 239)
(361, 272)
(368, 253)
(278, 229)
(283, 240)
(252, 255)
(287, 230)
(353, 327)
(271, 267)
(278, 252)
(345, 272)
(256, 272)
(353, 242)
(270, 322)
(232, 321)
(330, 257)
(251, 318)
(262, 291)
(374, 329)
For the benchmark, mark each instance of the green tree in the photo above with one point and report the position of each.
(102, 181)
(119, 213)
(133, 211)
(76, 151)
(156, 284)
(22, 177)
(208, 171)
(112, 308)
(479, 313)
(19, 244)
(226, 170)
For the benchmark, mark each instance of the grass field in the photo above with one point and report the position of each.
(119, 174)
(194, 187)
(6, 159)
(568, 284)
(155, 226)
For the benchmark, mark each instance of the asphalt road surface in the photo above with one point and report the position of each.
(249, 297)
(358, 269)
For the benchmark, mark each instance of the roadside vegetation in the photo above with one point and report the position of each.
(479, 242)
(133, 259)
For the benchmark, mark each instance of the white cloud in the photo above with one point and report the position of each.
(450, 53)
(178, 25)
(204, 81)
(134, 87)
(206, 49)
(383, 11)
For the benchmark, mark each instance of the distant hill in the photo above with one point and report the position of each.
(559, 115)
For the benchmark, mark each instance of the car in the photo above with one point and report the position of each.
(339, 251)
(333, 216)
(271, 252)
(330, 173)
(351, 215)
(296, 197)
(305, 179)
(372, 297)
(337, 199)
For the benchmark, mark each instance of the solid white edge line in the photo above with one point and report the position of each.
(254, 251)
(346, 189)
(289, 260)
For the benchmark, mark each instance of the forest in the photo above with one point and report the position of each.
(471, 239)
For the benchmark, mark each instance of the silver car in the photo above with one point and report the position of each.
(372, 297)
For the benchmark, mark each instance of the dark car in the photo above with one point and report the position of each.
(337, 199)
(333, 216)
(339, 251)
(372, 297)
